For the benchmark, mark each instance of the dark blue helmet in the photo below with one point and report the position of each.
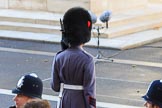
(29, 85)
(154, 93)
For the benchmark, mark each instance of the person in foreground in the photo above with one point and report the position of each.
(73, 70)
(37, 103)
(153, 97)
(29, 87)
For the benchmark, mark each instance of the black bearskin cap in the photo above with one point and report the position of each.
(77, 26)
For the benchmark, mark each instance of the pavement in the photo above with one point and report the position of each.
(135, 67)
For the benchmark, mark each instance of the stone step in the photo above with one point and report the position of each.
(26, 16)
(121, 43)
(128, 29)
(111, 32)
(104, 33)
(132, 21)
(129, 41)
(46, 22)
(41, 17)
(29, 27)
(20, 35)
(152, 12)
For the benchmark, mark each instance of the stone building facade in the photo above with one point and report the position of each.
(60, 6)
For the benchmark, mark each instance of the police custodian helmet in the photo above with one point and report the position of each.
(77, 25)
(154, 93)
(29, 85)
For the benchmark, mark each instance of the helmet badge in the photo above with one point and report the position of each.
(20, 82)
(161, 81)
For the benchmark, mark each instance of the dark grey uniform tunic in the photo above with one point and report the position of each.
(74, 66)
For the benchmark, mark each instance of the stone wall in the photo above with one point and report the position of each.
(60, 6)
(28, 4)
(116, 5)
(156, 1)
(4, 4)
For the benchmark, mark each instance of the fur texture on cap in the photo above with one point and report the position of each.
(77, 26)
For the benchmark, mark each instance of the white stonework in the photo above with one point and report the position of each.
(156, 1)
(116, 5)
(27, 4)
(61, 6)
(39, 5)
(19, 4)
(3, 3)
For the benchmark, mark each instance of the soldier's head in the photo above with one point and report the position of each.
(153, 96)
(29, 87)
(77, 25)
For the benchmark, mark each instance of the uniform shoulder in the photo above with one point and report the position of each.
(88, 55)
(59, 52)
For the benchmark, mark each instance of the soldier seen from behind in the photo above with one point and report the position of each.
(73, 70)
